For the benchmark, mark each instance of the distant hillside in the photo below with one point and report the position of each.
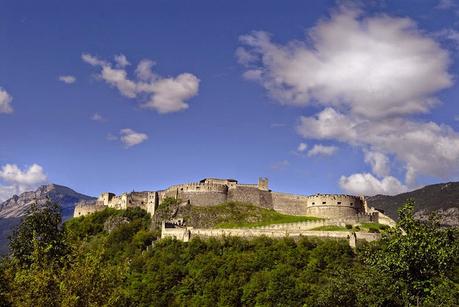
(442, 198)
(13, 209)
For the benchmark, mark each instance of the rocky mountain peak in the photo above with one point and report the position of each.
(17, 205)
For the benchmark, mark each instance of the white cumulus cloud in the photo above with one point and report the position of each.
(371, 75)
(424, 148)
(16, 181)
(353, 62)
(165, 95)
(131, 138)
(170, 94)
(5, 101)
(322, 150)
(369, 185)
(380, 164)
(67, 79)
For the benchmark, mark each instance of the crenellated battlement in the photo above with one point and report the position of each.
(199, 187)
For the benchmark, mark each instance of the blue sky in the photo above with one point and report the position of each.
(324, 96)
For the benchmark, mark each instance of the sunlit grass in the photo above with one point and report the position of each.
(242, 215)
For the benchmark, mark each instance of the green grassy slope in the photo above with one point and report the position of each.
(235, 215)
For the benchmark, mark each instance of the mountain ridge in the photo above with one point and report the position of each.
(14, 208)
(442, 198)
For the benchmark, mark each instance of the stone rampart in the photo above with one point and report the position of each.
(179, 233)
(338, 200)
(383, 219)
(215, 191)
(203, 198)
(333, 212)
(272, 233)
(82, 209)
(290, 204)
(334, 206)
(252, 195)
(199, 193)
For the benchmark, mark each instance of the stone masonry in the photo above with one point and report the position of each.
(215, 191)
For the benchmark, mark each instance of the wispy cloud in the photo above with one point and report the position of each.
(445, 4)
(67, 79)
(111, 137)
(449, 35)
(302, 147)
(121, 60)
(280, 165)
(98, 118)
(5, 102)
(322, 150)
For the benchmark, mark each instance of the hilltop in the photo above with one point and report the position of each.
(442, 198)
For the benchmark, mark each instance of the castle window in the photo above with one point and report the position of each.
(324, 202)
(352, 204)
(339, 203)
(181, 189)
(313, 203)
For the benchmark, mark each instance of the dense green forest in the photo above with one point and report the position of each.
(113, 258)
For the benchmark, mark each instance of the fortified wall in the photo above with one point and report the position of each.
(146, 200)
(215, 191)
(294, 230)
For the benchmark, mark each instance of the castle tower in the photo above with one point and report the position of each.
(124, 201)
(105, 197)
(152, 202)
(263, 184)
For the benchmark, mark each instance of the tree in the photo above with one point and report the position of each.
(39, 235)
(419, 256)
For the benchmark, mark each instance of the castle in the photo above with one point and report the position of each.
(215, 191)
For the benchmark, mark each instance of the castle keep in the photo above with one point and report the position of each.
(214, 191)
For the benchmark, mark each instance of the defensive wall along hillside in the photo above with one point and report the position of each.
(290, 204)
(185, 234)
(215, 191)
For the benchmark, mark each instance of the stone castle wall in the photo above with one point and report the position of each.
(289, 203)
(334, 206)
(280, 233)
(252, 195)
(187, 233)
(82, 209)
(214, 191)
(199, 194)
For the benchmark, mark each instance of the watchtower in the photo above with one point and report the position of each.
(263, 183)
